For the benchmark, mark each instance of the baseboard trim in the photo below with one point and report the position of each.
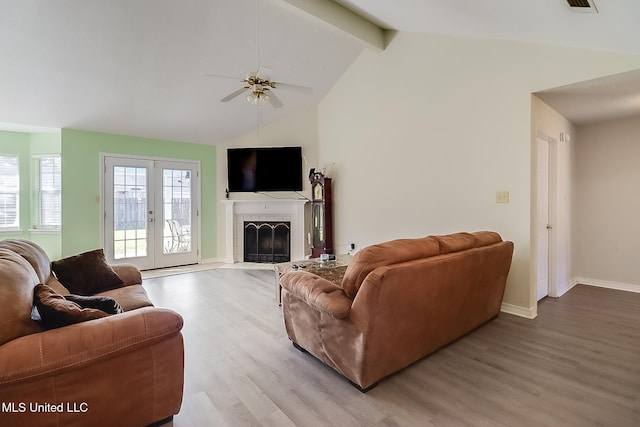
(212, 261)
(528, 313)
(629, 287)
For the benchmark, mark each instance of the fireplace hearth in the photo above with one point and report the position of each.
(267, 241)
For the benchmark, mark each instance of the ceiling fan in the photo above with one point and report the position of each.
(260, 88)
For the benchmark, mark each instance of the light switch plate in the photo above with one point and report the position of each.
(502, 197)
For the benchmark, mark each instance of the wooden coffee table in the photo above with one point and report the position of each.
(330, 270)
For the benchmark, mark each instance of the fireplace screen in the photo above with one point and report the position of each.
(267, 241)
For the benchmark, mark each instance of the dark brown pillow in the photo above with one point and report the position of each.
(106, 304)
(86, 274)
(55, 311)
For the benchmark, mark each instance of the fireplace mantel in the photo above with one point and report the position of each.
(238, 211)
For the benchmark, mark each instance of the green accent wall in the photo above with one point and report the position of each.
(82, 179)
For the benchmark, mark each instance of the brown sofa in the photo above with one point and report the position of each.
(398, 302)
(124, 369)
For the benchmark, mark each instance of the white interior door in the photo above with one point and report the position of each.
(151, 212)
(542, 219)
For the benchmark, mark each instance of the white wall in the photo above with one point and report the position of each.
(300, 129)
(607, 205)
(425, 133)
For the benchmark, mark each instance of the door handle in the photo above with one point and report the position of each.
(549, 227)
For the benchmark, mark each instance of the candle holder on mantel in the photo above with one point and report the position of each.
(321, 215)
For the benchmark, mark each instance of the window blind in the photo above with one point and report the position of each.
(9, 191)
(49, 192)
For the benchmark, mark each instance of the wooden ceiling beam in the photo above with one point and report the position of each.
(338, 16)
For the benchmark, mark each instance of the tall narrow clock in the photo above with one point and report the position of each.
(321, 216)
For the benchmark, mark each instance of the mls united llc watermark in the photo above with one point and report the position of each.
(37, 407)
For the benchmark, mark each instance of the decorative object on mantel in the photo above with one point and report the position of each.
(321, 215)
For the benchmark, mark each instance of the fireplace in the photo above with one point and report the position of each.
(267, 241)
(290, 211)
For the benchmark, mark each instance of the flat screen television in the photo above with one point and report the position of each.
(264, 169)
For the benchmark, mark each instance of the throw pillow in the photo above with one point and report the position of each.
(86, 274)
(55, 311)
(106, 304)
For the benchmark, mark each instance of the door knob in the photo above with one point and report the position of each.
(549, 227)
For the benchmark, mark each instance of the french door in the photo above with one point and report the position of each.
(150, 212)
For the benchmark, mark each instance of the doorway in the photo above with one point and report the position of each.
(542, 219)
(151, 211)
(545, 217)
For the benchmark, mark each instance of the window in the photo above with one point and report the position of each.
(49, 194)
(9, 192)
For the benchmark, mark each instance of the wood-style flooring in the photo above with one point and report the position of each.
(576, 364)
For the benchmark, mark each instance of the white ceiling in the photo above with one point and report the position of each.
(607, 98)
(137, 67)
(615, 28)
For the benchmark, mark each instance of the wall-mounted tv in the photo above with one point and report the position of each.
(264, 169)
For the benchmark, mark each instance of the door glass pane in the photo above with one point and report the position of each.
(129, 212)
(176, 203)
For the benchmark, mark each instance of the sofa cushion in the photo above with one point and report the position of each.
(393, 252)
(56, 311)
(17, 279)
(486, 238)
(456, 242)
(87, 273)
(34, 254)
(129, 297)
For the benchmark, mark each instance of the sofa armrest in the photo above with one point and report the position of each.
(317, 292)
(73, 346)
(129, 274)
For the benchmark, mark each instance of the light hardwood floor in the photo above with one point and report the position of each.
(576, 364)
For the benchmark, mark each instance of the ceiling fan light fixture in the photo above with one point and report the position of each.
(257, 97)
(258, 83)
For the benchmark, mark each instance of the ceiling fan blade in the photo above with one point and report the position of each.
(234, 94)
(264, 73)
(288, 86)
(225, 77)
(273, 100)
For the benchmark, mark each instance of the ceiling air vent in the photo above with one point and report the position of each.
(587, 6)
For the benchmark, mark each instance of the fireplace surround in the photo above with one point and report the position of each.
(237, 212)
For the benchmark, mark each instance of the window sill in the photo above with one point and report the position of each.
(10, 231)
(44, 231)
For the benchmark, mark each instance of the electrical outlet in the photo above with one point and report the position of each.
(502, 197)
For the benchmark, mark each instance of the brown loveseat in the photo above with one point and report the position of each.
(399, 301)
(124, 369)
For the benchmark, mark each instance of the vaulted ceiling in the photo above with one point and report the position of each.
(138, 67)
